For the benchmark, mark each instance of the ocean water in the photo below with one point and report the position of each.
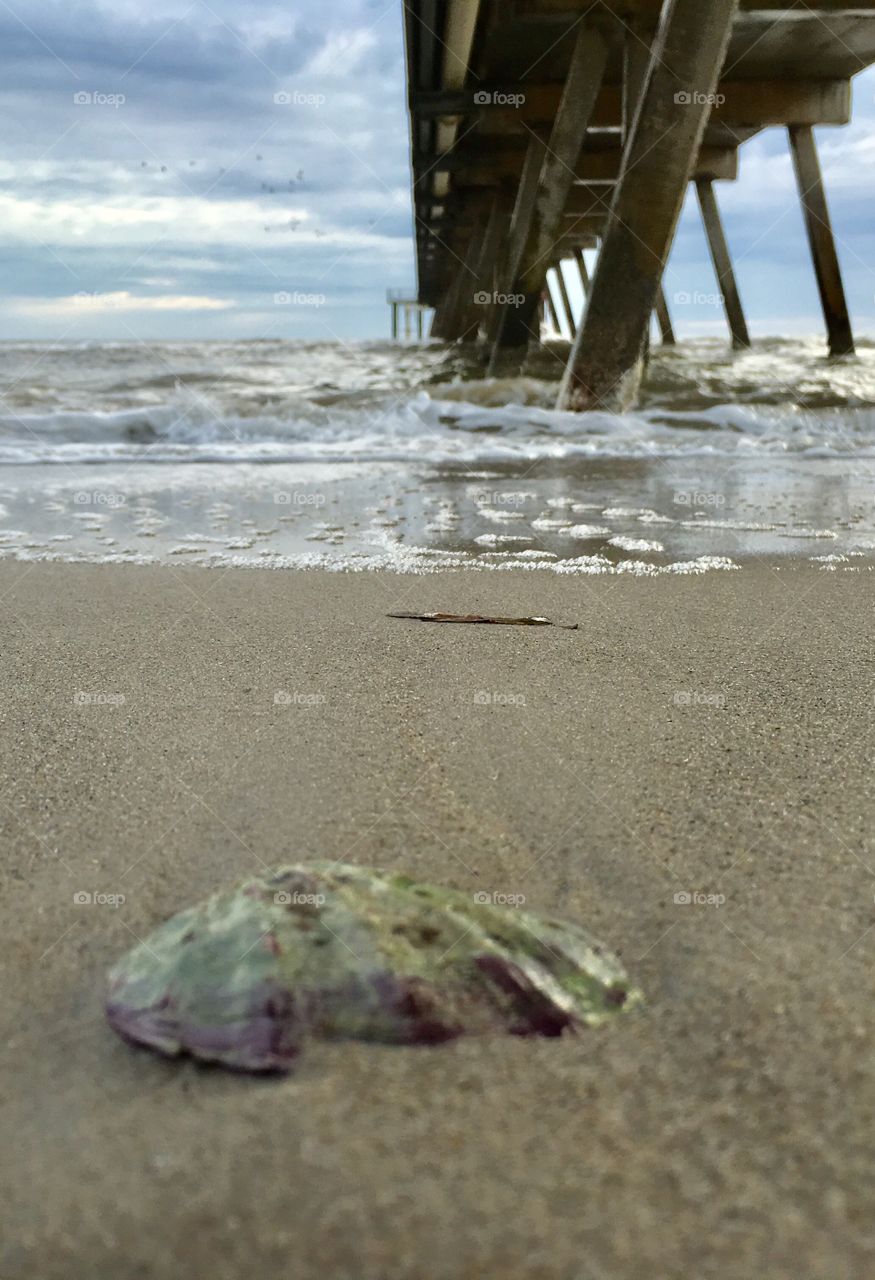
(376, 455)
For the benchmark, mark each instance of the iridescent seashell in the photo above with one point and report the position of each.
(346, 953)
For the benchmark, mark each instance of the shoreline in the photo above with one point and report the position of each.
(429, 563)
(707, 735)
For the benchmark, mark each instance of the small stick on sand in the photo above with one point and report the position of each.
(479, 618)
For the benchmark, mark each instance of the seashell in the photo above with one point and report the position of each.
(346, 953)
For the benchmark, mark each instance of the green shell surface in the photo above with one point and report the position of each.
(347, 953)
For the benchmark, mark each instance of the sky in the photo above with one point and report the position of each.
(239, 169)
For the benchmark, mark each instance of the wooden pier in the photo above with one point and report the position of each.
(543, 127)
(404, 305)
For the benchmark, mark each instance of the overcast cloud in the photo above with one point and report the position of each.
(167, 171)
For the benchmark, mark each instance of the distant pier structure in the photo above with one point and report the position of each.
(543, 128)
(405, 305)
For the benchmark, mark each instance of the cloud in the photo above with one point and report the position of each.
(130, 220)
(181, 160)
(202, 177)
(79, 304)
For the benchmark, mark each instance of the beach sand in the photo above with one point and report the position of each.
(709, 735)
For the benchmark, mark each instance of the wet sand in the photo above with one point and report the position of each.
(705, 736)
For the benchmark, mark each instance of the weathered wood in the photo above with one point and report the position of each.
(738, 103)
(437, 320)
(458, 323)
(786, 64)
(652, 8)
(722, 261)
(484, 285)
(820, 237)
(565, 300)
(583, 271)
(636, 64)
(520, 222)
(637, 50)
(606, 362)
(394, 321)
(550, 308)
(663, 319)
(582, 202)
(448, 304)
(538, 233)
(475, 165)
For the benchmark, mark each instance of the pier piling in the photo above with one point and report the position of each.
(583, 271)
(565, 300)
(606, 364)
(550, 309)
(663, 319)
(541, 217)
(820, 237)
(720, 256)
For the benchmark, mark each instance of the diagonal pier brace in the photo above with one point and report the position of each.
(722, 260)
(540, 224)
(606, 363)
(820, 237)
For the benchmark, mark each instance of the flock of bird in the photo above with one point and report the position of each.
(291, 225)
(298, 179)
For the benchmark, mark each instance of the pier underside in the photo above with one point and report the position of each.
(543, 127)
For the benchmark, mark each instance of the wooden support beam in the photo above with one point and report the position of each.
(437, 319)
(538, 234)
(477, 166)
(651, 8)
(448, 302)
(394, 321)
(606, 363)
(736, 103)
(520, 222)
(637, 50)
(458, 323)
(565, 300)
(550, 308)
(572, 226)
(583, 203)
(583, 270)
(820, 237)
(663, 319)
(637, 42)
(483, 286)
(722, 261)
